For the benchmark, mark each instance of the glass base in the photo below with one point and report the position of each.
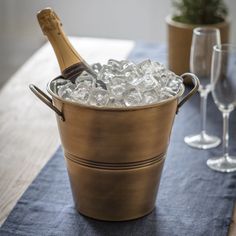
(222, 164)
(202, 141)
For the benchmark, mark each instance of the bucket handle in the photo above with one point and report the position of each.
(195, 82)
(46, 99)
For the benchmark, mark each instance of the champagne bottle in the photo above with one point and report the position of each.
(70, 62)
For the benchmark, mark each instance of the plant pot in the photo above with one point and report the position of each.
(180, 39)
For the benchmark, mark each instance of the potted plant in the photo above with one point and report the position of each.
(188, 15)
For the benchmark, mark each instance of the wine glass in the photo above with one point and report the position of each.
(204, 38)
(223, 81)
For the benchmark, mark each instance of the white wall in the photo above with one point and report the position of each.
(128, 19)
(131, 19)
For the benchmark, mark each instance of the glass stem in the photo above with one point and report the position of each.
(226, 133)
(203, 95)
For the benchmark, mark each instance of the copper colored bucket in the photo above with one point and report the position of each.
(115, 156)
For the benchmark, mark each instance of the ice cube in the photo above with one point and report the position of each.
(145, 65)
(167, 93)
(174, 84)
(148, 82)
(157, 68)
(150, 67)
(114, 102)
(115, 65)
(97, 67)
(56, 84)
(132, 97)
(132, 73)
(85, 79)
(81, 94)
(99, 97)
(117, 90)
(118, 80)
(150, 97)
(125, 63)
(66, 90)
(105, 75)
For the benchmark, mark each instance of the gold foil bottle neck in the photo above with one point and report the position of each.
(48, 21)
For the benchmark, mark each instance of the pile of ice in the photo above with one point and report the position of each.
(121, 84)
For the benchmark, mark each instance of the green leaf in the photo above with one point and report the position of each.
(199, 11)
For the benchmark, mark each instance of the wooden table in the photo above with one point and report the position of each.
(28, 131)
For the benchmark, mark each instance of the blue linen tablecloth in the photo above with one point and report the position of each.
(192, 199)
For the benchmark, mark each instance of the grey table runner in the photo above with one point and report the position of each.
(192, 199)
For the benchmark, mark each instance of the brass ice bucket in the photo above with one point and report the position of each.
(115, 156)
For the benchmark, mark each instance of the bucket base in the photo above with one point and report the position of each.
(117, 220)
(114, 193)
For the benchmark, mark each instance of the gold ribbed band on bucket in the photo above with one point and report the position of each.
(114, 166)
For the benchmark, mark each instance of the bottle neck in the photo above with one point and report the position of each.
(66, 54)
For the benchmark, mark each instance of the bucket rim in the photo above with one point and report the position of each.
(54, 95)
